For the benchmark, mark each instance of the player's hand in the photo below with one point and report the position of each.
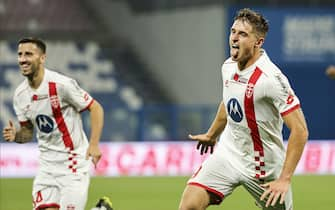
(9, 132)
(275, 190)
(204, 143)
(94, 152)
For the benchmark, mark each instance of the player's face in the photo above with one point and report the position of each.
(30, 59)
(243, 42)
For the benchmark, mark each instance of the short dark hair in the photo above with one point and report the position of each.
(258, 22)
(38, 42)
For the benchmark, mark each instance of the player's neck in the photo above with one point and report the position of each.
(36, 79)
(242, 65)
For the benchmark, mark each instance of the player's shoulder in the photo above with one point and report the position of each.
(269, 69)
(21, 88)
(272, 75)
(228, 65)
(57, 77)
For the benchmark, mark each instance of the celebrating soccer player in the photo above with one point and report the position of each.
(52, 103)
(257, 99)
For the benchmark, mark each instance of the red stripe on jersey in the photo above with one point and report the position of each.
(249, 108)
(24, 123)
(58, 115)
(290, 110)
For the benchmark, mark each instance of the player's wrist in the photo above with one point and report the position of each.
(94, 144)
(285, 177)
(209, 135)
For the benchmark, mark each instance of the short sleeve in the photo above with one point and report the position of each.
(76, 96)
(282, 95)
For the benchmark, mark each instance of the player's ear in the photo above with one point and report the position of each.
(42, 58)
(259, 42)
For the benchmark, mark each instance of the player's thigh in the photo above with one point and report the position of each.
(254, 188)
(45, 194)
(194, 197)
(217, 177)
(74, 191)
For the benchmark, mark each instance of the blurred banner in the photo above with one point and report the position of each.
(153, 159)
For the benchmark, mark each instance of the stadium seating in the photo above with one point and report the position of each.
(45, 16)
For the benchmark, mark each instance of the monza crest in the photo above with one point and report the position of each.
(54, 101)
(250, 90)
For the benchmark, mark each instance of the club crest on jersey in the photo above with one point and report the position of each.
(250, 90)
(54, 101)
(44, 123)
(235, 110)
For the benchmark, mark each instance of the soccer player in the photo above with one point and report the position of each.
(257, 99)
(52, 103)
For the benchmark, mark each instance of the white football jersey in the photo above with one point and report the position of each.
(54, 110)
(255, 100)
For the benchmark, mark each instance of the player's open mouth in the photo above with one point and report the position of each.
(25, 65)
(25, 68)
(234, 50)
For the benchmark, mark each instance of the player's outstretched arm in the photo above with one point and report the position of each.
(25, 134)
(277, 189)
(208, 140)
(97, 122)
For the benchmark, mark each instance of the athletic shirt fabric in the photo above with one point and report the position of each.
(255, 100)
(54, 110)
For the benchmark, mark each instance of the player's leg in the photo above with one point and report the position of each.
(74, 191)
(194, 198)
(213, 181)
(254, 188)
(46, 194)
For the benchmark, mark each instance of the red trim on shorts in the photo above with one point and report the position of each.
(58, 115)
(290, 110)
(49, 205)
(88, 106)
(215, 192)
(249, 108)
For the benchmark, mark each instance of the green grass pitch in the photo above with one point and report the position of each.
(163, 193)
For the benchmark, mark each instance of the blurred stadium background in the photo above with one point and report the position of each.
(155, 67)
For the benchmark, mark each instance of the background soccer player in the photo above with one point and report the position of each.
(257, 98)
(330, 71)
(52, 103)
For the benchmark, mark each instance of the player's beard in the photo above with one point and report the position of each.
(31, 71)
(241, 55)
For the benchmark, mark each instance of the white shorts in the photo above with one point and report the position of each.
(66, 192)
(219, 177)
